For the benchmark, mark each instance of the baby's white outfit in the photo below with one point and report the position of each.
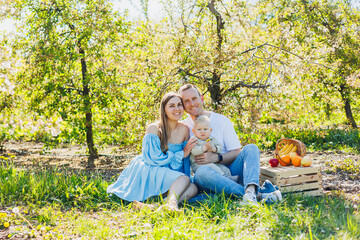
(198, 150)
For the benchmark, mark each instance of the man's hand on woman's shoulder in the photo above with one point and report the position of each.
(153, 128)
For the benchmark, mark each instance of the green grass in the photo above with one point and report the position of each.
(43, 186)
(59, 204)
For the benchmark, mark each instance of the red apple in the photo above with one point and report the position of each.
(274, 162)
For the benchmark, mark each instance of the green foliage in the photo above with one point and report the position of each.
(67, 46)
(132, 64)
(314, 139)
(218, 48)
(322, 35)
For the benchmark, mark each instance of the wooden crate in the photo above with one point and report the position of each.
(297, 180)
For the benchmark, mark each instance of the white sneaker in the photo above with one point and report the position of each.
(249, 198)
(271, 197)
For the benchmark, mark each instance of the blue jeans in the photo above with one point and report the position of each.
(246, 166)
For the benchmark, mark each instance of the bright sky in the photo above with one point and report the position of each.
(133, 6)
(6, 26)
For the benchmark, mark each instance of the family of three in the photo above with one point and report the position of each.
(207, 140)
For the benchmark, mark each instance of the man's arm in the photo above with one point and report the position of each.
(210, 157)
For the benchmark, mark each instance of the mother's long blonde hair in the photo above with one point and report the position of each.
(164, 124)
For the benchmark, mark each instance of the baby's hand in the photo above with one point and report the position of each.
(210, 147)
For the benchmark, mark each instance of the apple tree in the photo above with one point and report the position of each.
(218, 48)
(325, 33)
(67, 46)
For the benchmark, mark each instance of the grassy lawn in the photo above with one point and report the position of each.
(60, 204)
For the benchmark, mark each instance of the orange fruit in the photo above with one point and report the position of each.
(285, 160)
(295, 159)
(282, 163)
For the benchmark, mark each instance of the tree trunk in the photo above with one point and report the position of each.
(215, 90)
(215, 87)
(88, 113)
(93, 153)
(346, 100)
(349, 114)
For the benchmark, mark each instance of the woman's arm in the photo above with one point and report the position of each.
(152, 152)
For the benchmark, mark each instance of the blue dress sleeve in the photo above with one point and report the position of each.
(153, 155)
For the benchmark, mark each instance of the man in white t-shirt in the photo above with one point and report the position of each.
(242, 162)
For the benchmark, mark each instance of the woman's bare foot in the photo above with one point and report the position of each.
(171, 206)
(139, 205)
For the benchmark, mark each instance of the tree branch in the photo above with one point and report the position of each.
(187, 73)
(302, 58)
(70, 89)
(219, 23)
(241, 84)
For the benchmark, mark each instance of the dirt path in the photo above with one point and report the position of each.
(340, 170)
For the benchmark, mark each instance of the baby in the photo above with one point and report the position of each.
(206, 143)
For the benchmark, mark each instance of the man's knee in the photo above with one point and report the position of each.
(251, 148)
(202, 172)
(203, 177)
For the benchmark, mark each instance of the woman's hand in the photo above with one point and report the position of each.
(189, 145)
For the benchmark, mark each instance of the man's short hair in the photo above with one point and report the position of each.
(188, 86)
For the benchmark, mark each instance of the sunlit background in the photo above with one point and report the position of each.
(133, 8)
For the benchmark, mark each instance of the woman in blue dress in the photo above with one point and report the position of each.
(156, 170)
